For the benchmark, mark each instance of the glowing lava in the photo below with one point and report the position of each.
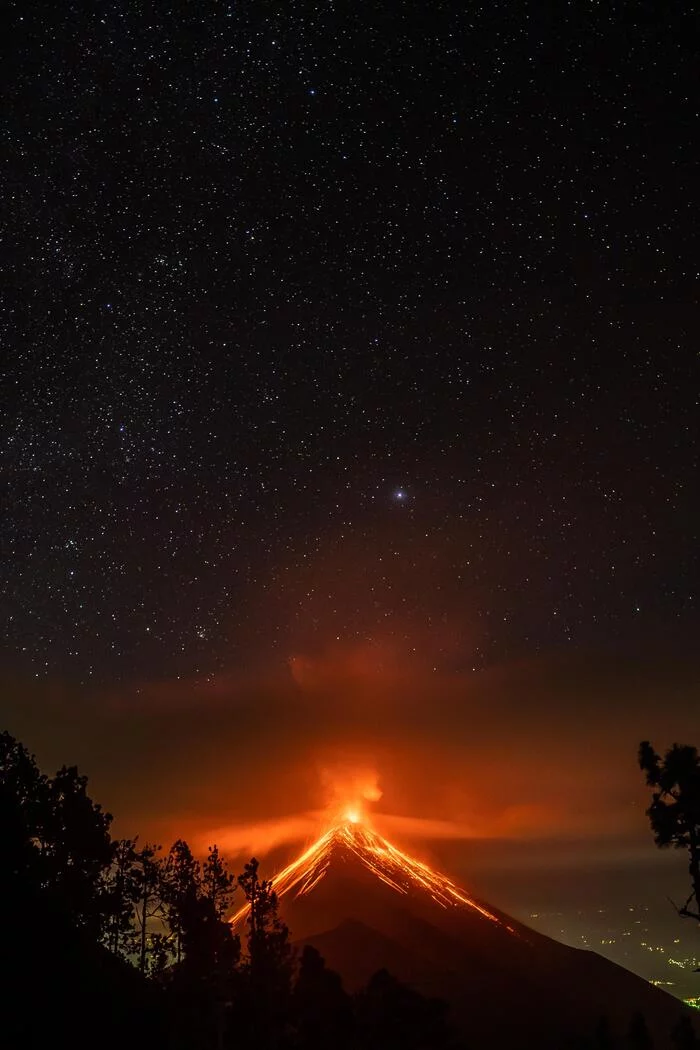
(351, 833)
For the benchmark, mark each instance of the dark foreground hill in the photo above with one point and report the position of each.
(59, 988)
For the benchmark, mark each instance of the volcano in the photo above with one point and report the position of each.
(366, 905)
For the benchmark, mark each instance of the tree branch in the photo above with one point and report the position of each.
(685, 911)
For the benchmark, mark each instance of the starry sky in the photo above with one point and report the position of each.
(342, 307)
(325, 322)
(350, 398)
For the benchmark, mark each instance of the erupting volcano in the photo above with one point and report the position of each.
(366, 905)
(351, 836)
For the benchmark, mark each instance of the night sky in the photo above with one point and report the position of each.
(350, 423)
(323, 323)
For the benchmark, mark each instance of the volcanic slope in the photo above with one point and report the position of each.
(366, 905)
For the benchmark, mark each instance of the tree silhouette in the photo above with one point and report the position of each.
(120, 892)
(61, 837)
(205, 984)
(23, 802)
(212, 952)
(269, 950)
(218, 884)
(21, 779)
(149, 904)
(268, 962)
(392, 1016)
(674, 813)
(321, 1010)
(57, 863)
(181, 877)
(76, 847)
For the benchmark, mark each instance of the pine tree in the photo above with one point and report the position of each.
(77, 847)
(218, 884)
(149, 905)
(120, 892)
(23, 809)
(269, 960)
(321, 1010)
(182, 878)
(392, 1016)
(62, 836)
(205, 980)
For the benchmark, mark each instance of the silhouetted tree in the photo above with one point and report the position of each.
(20, 777)
(149, 904)
(674, 813)
(60, 985)
(218, 884)
(120, 892)
(269, 960)
(392, 1016)
(63, 839)
(212, 952)
(159, 956)
(269, 948)
(76, 847)
(321, 1010)
(23, 804)
(181, 880)
(205, 984)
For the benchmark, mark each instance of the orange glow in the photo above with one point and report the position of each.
(395, 868)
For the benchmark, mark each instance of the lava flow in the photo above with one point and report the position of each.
(350, 832)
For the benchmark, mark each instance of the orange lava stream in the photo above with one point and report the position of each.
(395, 868)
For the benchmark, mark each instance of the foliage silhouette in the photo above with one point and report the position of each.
(218, 883)
(181, 877)
(392, 1016)
(62, 982)
(204, 979)
(60, 837)
(120, 891)
(674, 813)
(321, 1010)
(76, 847)
(268, 962)
(149, 904)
